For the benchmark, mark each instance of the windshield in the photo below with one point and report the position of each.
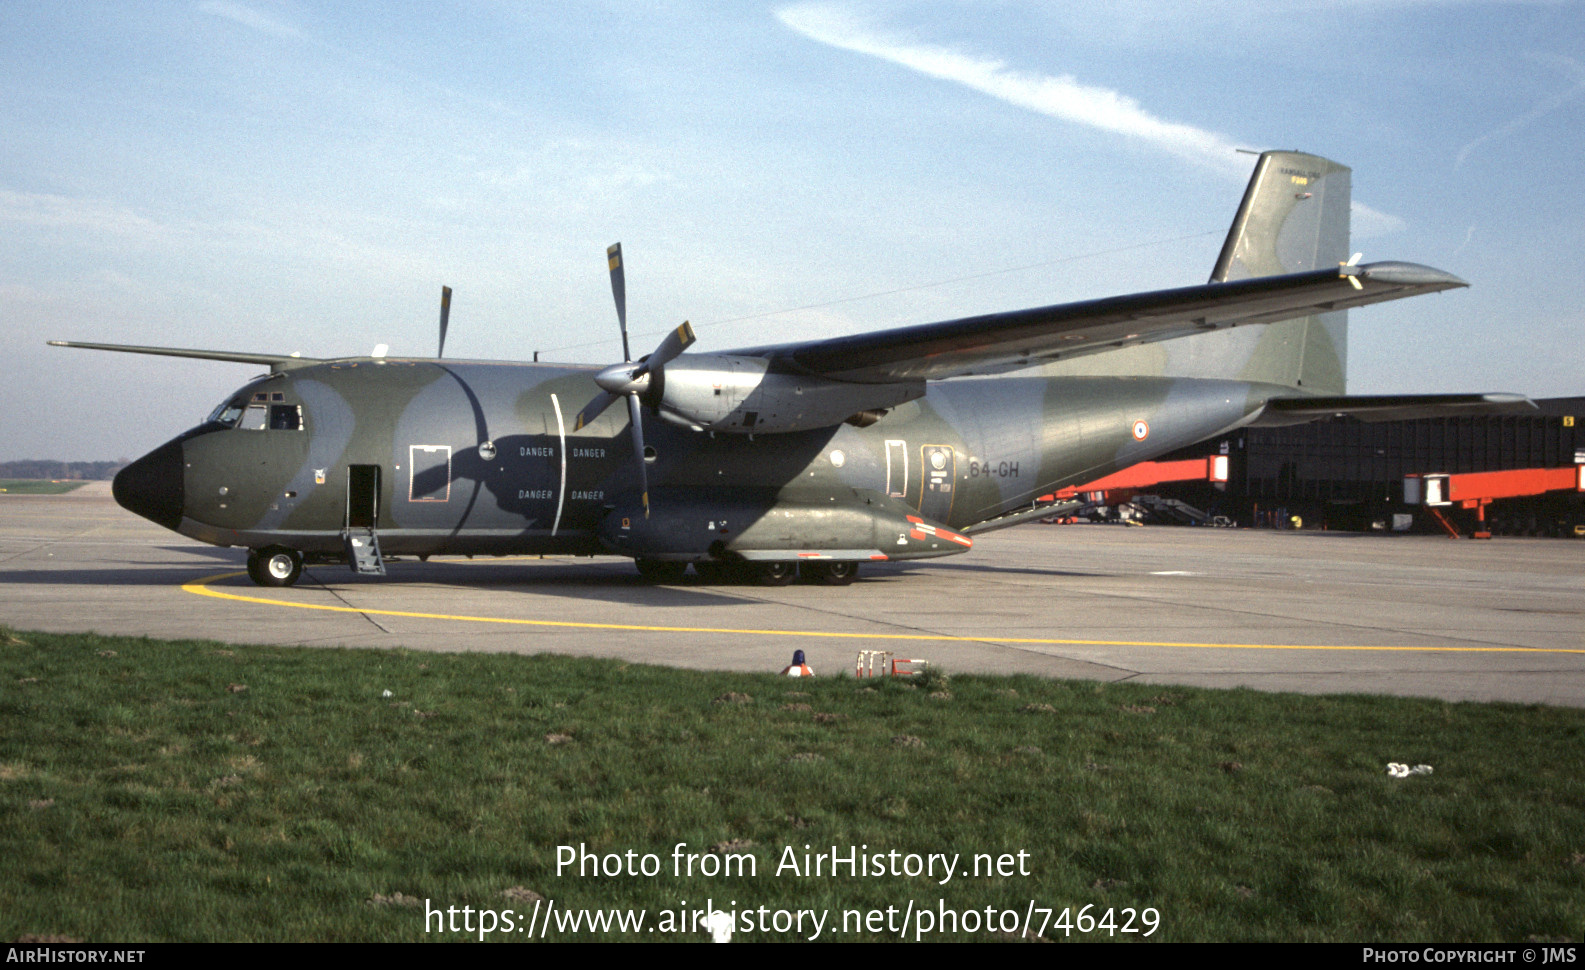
(258, 411)
(227, 412)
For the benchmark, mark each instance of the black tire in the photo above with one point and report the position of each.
(275, 566)
(829, 573)
(661, 571)
(773, 573)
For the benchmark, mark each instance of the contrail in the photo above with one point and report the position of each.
(1569, 66)
(1056, 96)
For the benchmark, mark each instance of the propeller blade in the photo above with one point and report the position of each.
(445, 318)
(613, 258)
(593, 410)
(621, 380)
(1352, 278)
(675, 343)
(635, 415)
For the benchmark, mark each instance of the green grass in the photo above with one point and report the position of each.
(33, 486)
(144, 796)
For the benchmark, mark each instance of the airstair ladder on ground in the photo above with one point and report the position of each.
(363, 552)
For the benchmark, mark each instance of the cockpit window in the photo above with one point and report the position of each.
(254, 417)
(226, 414)
(260, 411)
(286, 417)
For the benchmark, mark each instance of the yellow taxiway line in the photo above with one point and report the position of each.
(201, 587)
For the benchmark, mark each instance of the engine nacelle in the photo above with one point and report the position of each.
(717, 392)
(693, 525)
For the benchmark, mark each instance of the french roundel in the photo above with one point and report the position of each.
(1141, 430)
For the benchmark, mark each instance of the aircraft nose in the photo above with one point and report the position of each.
(152, 485)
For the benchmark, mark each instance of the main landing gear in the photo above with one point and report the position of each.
(275, 566)
(833, 573)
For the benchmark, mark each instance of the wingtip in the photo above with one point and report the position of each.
(1512, 399)
(1411, 274)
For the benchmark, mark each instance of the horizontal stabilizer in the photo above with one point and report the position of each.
(1390, 407)
(276, 362)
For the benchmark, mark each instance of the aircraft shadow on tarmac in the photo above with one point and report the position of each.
(991, 567)
(220, 554)
(612, 581)
(577, 582)
(128, 574)
(607, 582)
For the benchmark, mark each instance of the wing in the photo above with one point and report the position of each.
(1389, 407)
(1001, 342)
(276, 362)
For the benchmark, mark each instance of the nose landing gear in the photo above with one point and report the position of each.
(275, 566)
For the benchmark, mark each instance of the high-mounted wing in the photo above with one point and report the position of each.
(999, 342)
(276, 362)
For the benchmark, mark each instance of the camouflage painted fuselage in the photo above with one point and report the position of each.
(481, 458)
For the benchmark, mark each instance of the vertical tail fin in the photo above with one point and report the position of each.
(1294, 217)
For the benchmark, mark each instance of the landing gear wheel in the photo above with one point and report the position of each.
(829, 573)
(773, 573)
(718, 573)
(661, 571)
(275, 566)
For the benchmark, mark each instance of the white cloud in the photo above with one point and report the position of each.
(249, 17)
(1366, 222)
(1056, 96)
(95, 216)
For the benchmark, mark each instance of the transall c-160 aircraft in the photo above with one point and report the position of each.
(799, 458)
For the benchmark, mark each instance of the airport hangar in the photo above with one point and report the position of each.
(1346, 474)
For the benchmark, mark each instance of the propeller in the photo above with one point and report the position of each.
(631, 379)
(445, 317)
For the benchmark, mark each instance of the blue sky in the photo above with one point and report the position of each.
(288, 176)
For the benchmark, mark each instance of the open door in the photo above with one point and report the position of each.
(363, 512)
